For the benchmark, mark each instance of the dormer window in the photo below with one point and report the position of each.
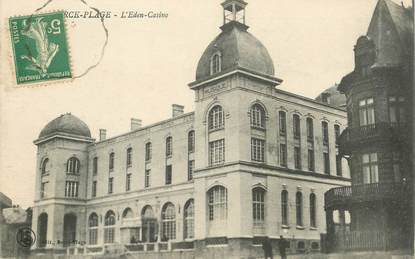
(215, 63)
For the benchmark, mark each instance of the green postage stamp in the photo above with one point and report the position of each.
(40, 47)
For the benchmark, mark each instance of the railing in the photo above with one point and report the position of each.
(369, 240)
(366, 133)
(346, 195)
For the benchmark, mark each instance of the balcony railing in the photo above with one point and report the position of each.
(369, 240)
(341, 197)
(383, 130)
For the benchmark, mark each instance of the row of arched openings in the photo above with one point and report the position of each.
(285, 207)
(149, 224)
(216, 117)
(72, 166)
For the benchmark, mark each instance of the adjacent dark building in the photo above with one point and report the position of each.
(375, 213)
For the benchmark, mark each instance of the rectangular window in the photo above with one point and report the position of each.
(337, 133)
(168, 174)
(366, 112)
(147, 178)
(95, 166)
(217, 152)
(191, 142)
(129, 157)
(339, 168)
(93, 236)
(94, 189)
(283, 155)
(370, 168)
(169, 147)
(71, 189)
(325, 130)
(110, 184)
(148, 152)
(297, 157)
(311, 160)
(257, 150)
(310, 130)
(296, 126)
(326, 158)
(128, 182)
(283, 123)
(191, 165)
(396, 109)
(43, 187)
(111, 162)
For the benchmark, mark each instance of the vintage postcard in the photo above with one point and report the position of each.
(228, 129)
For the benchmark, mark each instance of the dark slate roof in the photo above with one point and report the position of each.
(238, 48)
(391, 29)
(67, 124)
(403, 21)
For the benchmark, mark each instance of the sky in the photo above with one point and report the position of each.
(148, 63)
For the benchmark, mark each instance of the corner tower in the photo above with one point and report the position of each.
(61, 182)
(233, 77)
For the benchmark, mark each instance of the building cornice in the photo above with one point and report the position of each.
(63, 135)
(236, 70)
(282, 172)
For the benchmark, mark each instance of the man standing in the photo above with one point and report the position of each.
(266, 245)
(282, 245)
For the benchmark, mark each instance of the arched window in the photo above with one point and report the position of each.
(257, 116)
(216, 118)
(296, 126)
(215, 64)
(148, 225)
(109, 227)
(169, 146)
(168, 220)
(111, 161)
(127, 213)
(313, 221)
(45, 166)
(148, 151)
(188, 220)
(258, 206)
(217, 203)
(93, 228)
(72, 166)
(299, 208)
(129, 156)
(191, 141)
(284, 207)
(310, 129)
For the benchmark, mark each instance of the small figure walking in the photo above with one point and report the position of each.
(282, 245)
(267, 247)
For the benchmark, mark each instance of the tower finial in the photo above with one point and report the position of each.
(234, 11)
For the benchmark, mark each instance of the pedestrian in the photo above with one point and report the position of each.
(282, 245)
(267, 247)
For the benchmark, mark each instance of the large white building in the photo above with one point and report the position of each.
(250, 161)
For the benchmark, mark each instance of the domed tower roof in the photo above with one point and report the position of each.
(66, 124)
(332, 96)
(236, 47)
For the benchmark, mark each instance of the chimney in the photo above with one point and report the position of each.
(102, 134)
(135, 124)
(177, 110)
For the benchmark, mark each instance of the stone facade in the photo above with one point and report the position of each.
(211, 181)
